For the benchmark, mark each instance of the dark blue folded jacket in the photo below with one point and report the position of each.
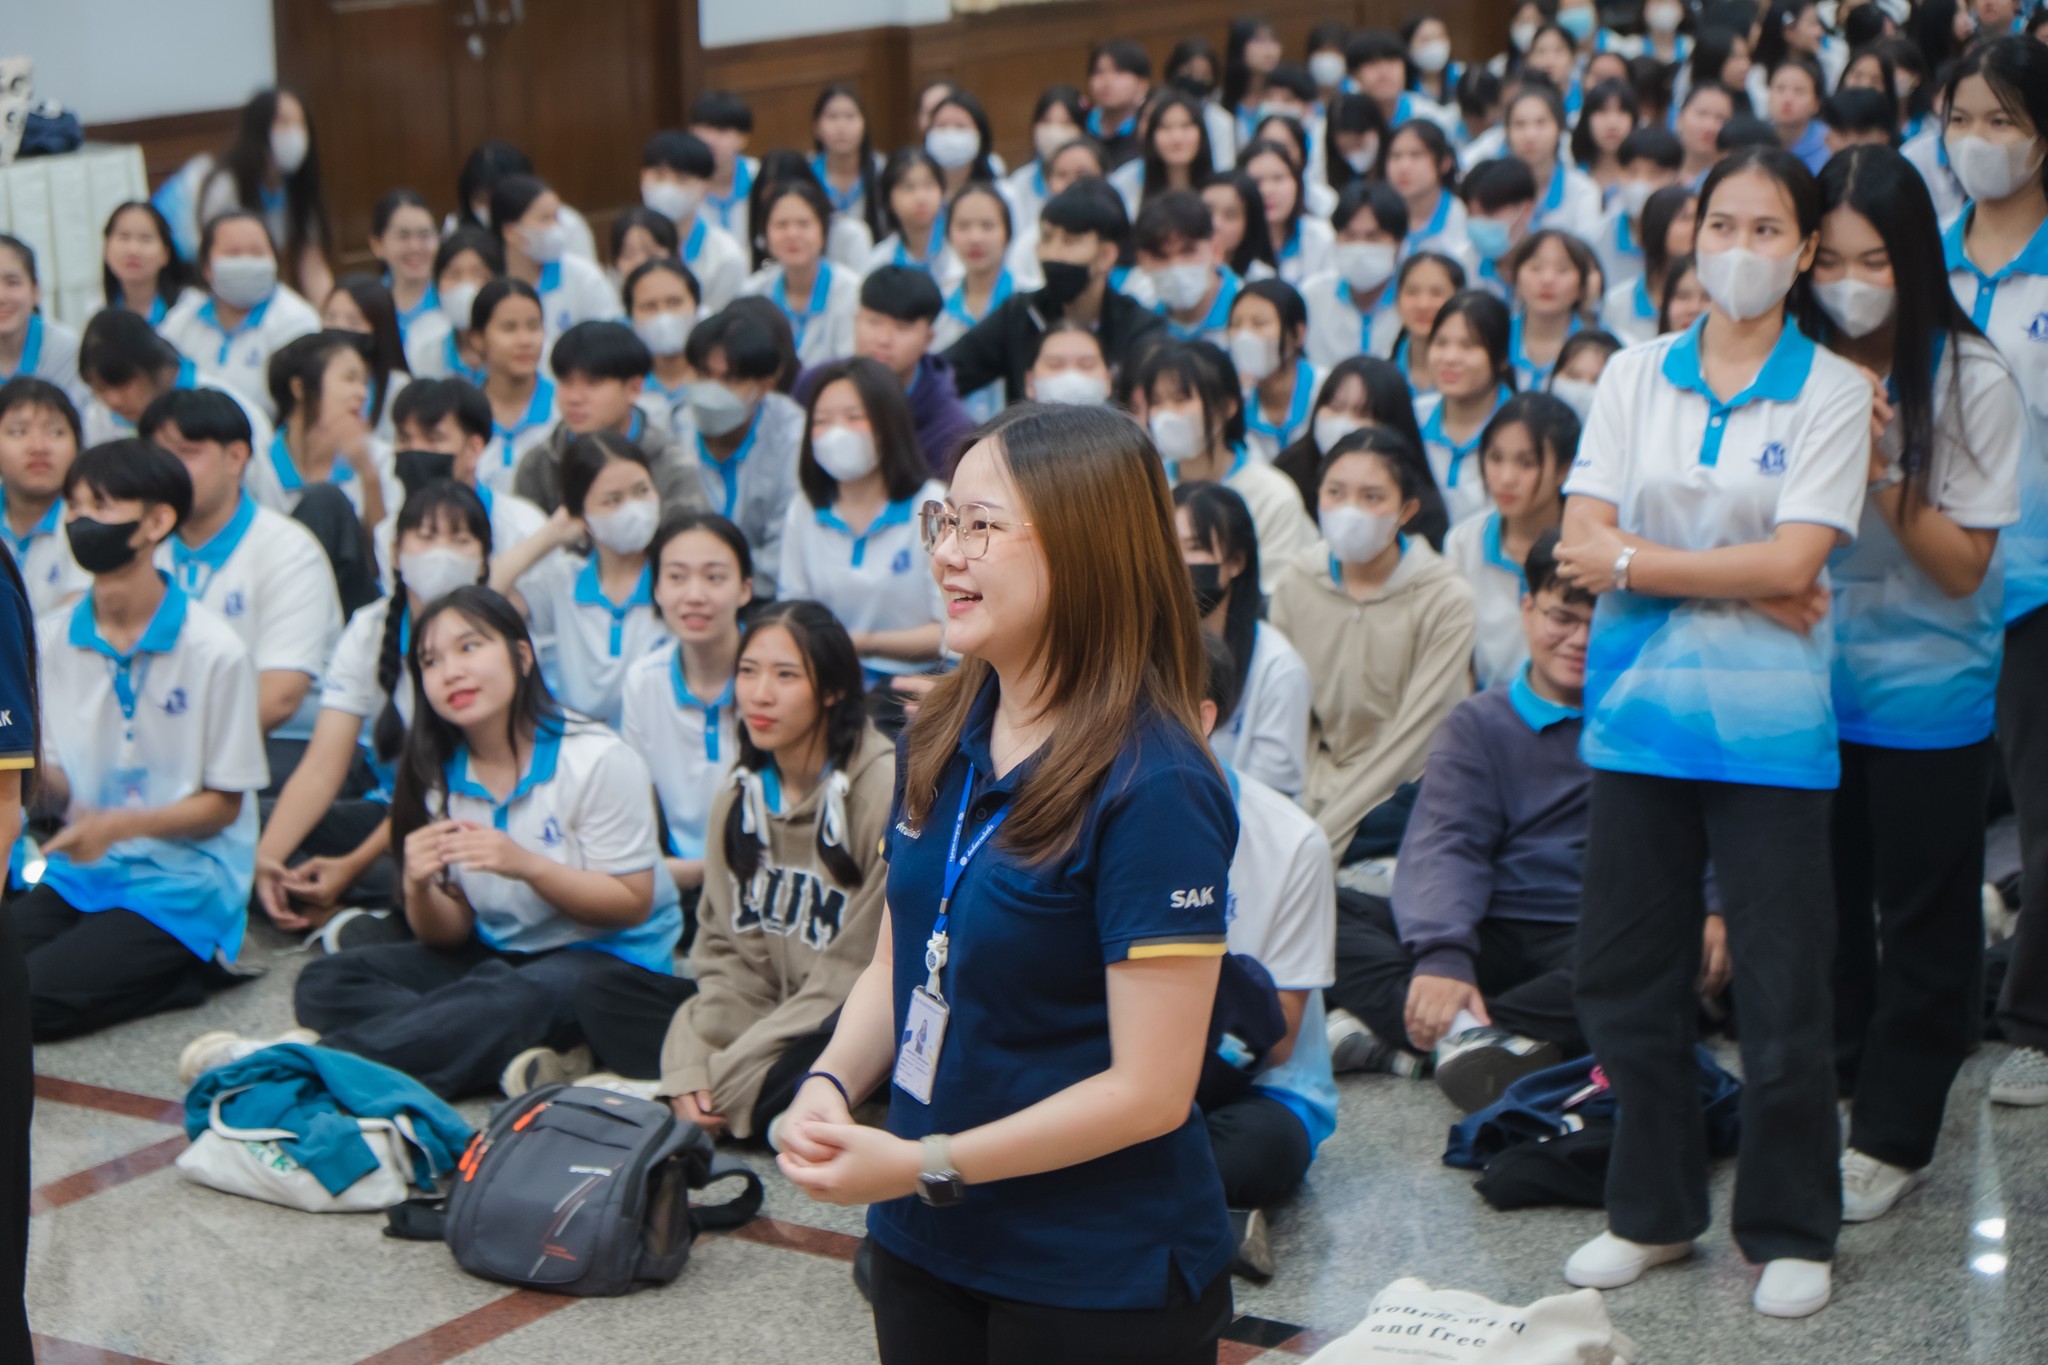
(319, 1094)
(1532, 1109)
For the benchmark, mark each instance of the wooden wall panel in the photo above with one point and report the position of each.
(169, 142)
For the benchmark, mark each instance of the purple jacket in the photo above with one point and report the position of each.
(936, 412)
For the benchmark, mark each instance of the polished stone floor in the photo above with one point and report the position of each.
(128, 1262)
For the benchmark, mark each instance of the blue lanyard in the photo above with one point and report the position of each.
(956, 867)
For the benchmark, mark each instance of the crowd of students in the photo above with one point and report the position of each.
(1623, 561)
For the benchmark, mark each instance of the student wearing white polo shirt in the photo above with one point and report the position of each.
(1425, 283)
(676, 169)
(153, 747)
(1283, 915)
(1420, 166)
(531, 863)
(1921, 583)
(1650, 158)
(724, 123)
(1349, 305)
(1997, 250)
(1664, 230)
(1500, 207)
(663, 307)
(39, 439)
(1268, 331)
(527, 217)
(912, 188)
(678, 710)
(260, 570)
(125, 365)
(1365, 391)
(320, 386)
(599, 606)
(245, 315)
(1468, 358)
(1554, 272)
(1265, 734)
(32, 345)
(1720, 467)
(1175, 244)
(441, 343)
(1301, 244)
(1566, 197)
(744, 434)
(511, 343)
(326, 839)
(851, 541)
(818, 297)
(1525, 453)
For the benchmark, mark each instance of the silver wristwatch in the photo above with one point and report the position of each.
(938, 1184)
(1621, 563)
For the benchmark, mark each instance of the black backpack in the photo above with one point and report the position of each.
(577, 1190)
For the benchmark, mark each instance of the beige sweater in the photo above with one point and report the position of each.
(775, 958)
(1385, 671)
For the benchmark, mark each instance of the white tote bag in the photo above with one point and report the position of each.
(248, 1161)
(1411, 1324)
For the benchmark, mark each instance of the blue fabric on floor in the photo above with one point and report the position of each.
(1532, 1109)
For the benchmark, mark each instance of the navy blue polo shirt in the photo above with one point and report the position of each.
(18, 718)
(1027, 984)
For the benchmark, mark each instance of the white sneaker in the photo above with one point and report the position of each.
(539, 1066)
(1870, 1187)
(217, 1049)
(620, 1085)
(1794, 1289)
(1354, 1047)
(2022, 1078)
(1609, 1262)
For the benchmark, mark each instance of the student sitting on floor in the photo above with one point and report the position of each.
(600, 369)
(124, 364)
(154, 755)
(260, 570)
(531, 862)
(444, 426)
(326, 838)
(39, 440)
(1283, 914)
(1473, 957)
(793, 884)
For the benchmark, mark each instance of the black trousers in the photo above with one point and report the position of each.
(625, 1018)
(451, 1018)
(344, 827)
(17, 1109)
(921, 1319)
(326, 511)
(86, 971)
(1909, 946)
(1524, 972)
(2023, 741)
(1649, 842)
(1261, 1149)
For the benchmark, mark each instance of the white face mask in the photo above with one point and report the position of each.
(1356, 536)
(844, 453)
(1521, 35)
(1181, 287)
(1332, 427)
(627, 528)
(244, 281)
(1663, 16)
(1898, 11)
(289, 148)
(1070, 386)
(1048, 138)
(1327, 69)
(545, 245)
(1365, 266)
(1857, 308)
(1635, 194)
(1361, 160)
(1993, 170)
(953, 148)
(1432, 57)
(716, 409)
(1744, 284)
(458, 301)
(1255, 356)
(433, 574)
(671, 200)
(1176, 436)
(666, 333)
(1575, 392)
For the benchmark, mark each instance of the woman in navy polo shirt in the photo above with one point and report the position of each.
(18, 756)
(1718, 470)
(1050, 987)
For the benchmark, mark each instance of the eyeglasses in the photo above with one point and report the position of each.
(1562, 625)
(971, 524)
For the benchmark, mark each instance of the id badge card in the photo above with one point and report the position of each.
(917, 1054)
(125, 789)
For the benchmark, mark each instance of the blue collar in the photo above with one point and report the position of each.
(956, 302)
(158, 637)
(1538, 714)
(729, 468)
(684, 697)
(288, 476)
(550, 278)
(157, 307)
(897, 513)
(1625, 236)
(1433, 430)
(196, 565)
(694, 243)
(843, 201)
(934, 243)
(1519, 358)
(1645, 307)
(429, 302)
(589, 592)
(1435, 225)
(1491, 552)
(31, 348)
(2031, 260)
(1124, 129)
(1298, 407)
(1292, 247)
(1553, 198)
(821, 294)
(211, 317)
(459, 367)
(188, 374)
(538, 410)
(1779, 381)
(1228, 287)
(1242, 458)
(540, 768)
(48, 525)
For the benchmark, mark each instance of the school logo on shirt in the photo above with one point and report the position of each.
(233, 605)
(1772, 461)
(6, 719)
(791, 903)
(175, 703)
(54, 573)
(1194, 898)
(255, 356)
(551, 832)
(2037, 330)
(901, 563)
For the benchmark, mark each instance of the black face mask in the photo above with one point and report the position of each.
(418, 468)
(1064, 282)
(102, 546)
(1210, 589)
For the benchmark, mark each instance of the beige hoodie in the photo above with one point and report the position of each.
(775, 958)
(1386, 671)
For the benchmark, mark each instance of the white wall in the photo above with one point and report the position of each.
(111, 60)
(721, 23)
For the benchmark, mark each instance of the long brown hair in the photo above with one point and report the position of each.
(1121, 635)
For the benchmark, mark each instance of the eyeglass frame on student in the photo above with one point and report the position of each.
(935, 522)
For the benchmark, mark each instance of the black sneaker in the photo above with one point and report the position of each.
(1473, 1067)
(1354, 1047)
(1254, 1258)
